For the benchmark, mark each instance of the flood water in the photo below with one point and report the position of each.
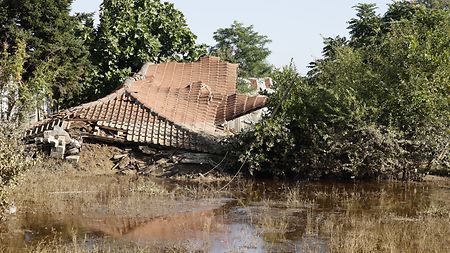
(250, 216)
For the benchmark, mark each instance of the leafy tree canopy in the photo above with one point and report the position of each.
(133, 32)
(376, 104)
(21, 96)
(50, 35)
(242, 44)
(436, 4)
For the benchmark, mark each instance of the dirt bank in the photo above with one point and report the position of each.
(100, 158)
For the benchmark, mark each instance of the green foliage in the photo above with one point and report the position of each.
(241, 44)
(243, 86)
(377, 105)
(21, 96)
(11, 70)
(12, 160)
(134, 32)
(365, 27)
(436, 4)
(51, 35)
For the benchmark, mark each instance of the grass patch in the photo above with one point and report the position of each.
(366, 233)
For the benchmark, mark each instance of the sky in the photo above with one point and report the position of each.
(296, 27)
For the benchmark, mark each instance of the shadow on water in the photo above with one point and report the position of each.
(250, 217)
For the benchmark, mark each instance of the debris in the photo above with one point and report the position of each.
(56, 133)
(197, 128)
(162, 163)
(196, 158)
(119, 157)
(58, 147)
(74, 144)
(58, 144)
(147, 150)
(73, 158)
(73, 151)
(124, 163)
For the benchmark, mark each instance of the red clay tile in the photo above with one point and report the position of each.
(176, 105)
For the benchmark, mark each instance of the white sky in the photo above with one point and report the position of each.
(296, 27)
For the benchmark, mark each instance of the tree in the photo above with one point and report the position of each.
(241, 44)
(11, 71)
(365, 27)
(329, 53)
(436, 4)
(376, 106)
(133, 32)
(20, 97)
(50, 34)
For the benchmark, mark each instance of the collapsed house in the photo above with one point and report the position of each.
(173, 105)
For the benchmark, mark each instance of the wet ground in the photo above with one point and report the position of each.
(247, 216)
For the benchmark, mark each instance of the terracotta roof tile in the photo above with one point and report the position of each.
(219, 75)
(194, 94)
(175, 104)
(137, 123)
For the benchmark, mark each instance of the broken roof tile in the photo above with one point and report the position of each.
(172, 104)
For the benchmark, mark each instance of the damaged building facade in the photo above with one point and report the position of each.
(173, 105)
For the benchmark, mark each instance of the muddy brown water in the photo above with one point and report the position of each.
(252, 216)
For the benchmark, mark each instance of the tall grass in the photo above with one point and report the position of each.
(12, 161)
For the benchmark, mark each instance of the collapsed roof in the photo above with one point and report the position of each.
(171, 104)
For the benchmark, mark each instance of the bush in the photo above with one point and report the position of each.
(375, 106)
(358, 151)
(12, 160)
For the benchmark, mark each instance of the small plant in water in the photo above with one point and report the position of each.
(295, 199)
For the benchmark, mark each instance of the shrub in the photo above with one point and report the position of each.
(12, 160)
(375, 106)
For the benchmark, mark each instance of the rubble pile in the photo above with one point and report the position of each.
(58, 144)
(124, 163)
(158, 162)
(145, 109)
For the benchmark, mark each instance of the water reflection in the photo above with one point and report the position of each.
(261, 217)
